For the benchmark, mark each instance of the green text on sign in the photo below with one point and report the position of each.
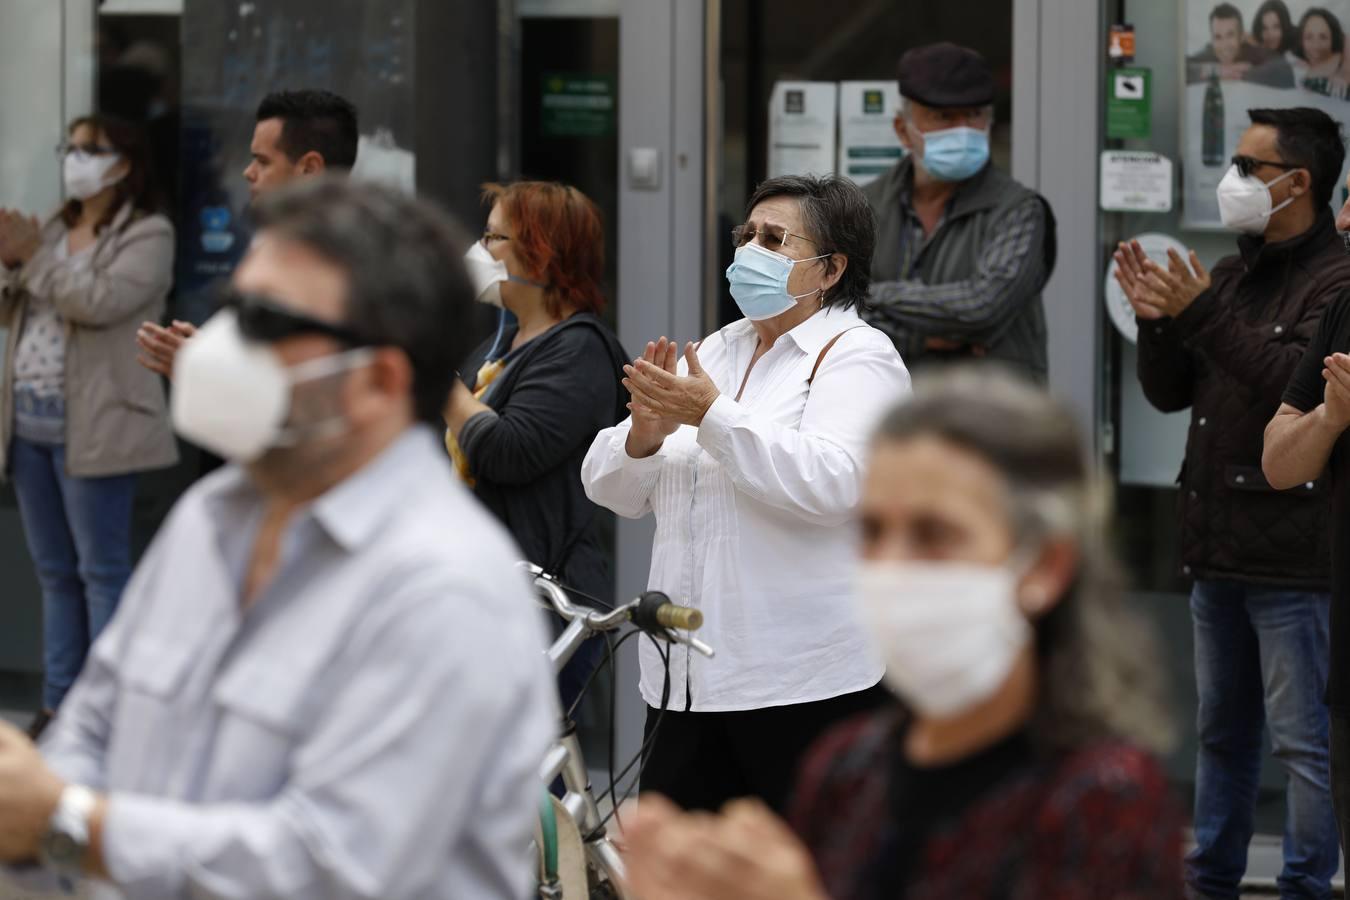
(577, 105)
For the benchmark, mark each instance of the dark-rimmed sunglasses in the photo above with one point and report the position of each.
(264, 319)
(1246, 165)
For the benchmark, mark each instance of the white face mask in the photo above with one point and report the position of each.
(1245, 203)
(85, 175)
(487, 274)
(949, 633)
(232, 396)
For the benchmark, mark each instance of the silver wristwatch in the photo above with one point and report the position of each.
(64, 845)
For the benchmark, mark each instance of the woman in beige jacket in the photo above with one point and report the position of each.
(78, 417)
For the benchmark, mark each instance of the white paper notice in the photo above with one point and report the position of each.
(867, 142)
(1136, 181)
(801, 128)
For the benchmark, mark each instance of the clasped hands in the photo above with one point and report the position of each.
(20, 237)
(662, 399)
(1155, 292)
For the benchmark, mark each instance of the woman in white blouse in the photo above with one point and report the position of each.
(749, 452)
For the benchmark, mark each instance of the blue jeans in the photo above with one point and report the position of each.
(79, 536)
(1261, 662)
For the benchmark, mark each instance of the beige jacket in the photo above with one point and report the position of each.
(116, 417)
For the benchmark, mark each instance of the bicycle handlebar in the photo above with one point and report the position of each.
(652, 612)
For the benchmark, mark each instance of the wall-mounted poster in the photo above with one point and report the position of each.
(1248, 54)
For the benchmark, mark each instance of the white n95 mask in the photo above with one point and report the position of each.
(1245, 204)
(232, 396)
(487, 274)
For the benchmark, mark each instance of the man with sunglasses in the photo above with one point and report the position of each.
(1224, 343)
(326, 680)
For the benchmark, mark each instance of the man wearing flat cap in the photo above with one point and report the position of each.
(963, 250)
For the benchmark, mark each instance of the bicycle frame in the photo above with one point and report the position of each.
(565, 758)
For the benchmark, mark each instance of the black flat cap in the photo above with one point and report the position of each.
(945, 75)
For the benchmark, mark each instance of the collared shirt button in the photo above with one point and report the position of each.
(1279, 329)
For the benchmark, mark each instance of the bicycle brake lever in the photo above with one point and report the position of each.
(691, 642)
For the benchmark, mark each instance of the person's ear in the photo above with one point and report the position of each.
(375, 388)
(835, 265)
(310, 164)
(1049, 578)
(902, 131)
(1301, 182)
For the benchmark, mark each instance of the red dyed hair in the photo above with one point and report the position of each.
(558, 238)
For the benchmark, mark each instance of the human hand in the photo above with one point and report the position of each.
(650, 430)
(20, 237)
(29, 794)
(1336, 394)
(158, 347)
(744, 853)
(1130, 259)
(660, 393)
(1179, 284)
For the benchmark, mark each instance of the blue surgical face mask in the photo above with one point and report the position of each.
(759, 281)
(955, 154)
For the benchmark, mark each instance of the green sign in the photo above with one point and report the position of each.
(1129, 103)
(874, 102)
(577, 105)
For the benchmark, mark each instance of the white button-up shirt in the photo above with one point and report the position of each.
(754, 514)
(372, 726)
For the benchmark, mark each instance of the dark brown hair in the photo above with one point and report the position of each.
(137, 188)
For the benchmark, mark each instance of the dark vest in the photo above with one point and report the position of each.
(952, 253)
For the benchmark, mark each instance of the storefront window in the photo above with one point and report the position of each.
(1197, 111)
(765, 43)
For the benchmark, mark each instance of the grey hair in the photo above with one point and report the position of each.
(1098, 676)
(837, 216)
(406, 282)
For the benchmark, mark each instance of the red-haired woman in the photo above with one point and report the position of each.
(78, 418)
(535, 395)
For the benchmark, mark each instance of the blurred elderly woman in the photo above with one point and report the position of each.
(748, 450)
(1012, 763)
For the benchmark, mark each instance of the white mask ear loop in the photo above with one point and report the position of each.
(1287, 200)
(821, 290)
(313, 370)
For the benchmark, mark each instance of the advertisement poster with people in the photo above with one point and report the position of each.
(1248, 54)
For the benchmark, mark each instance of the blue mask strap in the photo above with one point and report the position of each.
(505, 318)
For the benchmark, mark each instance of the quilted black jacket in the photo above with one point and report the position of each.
(1228, 357)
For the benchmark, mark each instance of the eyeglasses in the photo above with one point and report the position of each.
(1246, 165)
(491, 236)
(772, 237)
(65, 148)
(262, 318)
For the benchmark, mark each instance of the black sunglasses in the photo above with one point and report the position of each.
(1246, 165)
(263, 319)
